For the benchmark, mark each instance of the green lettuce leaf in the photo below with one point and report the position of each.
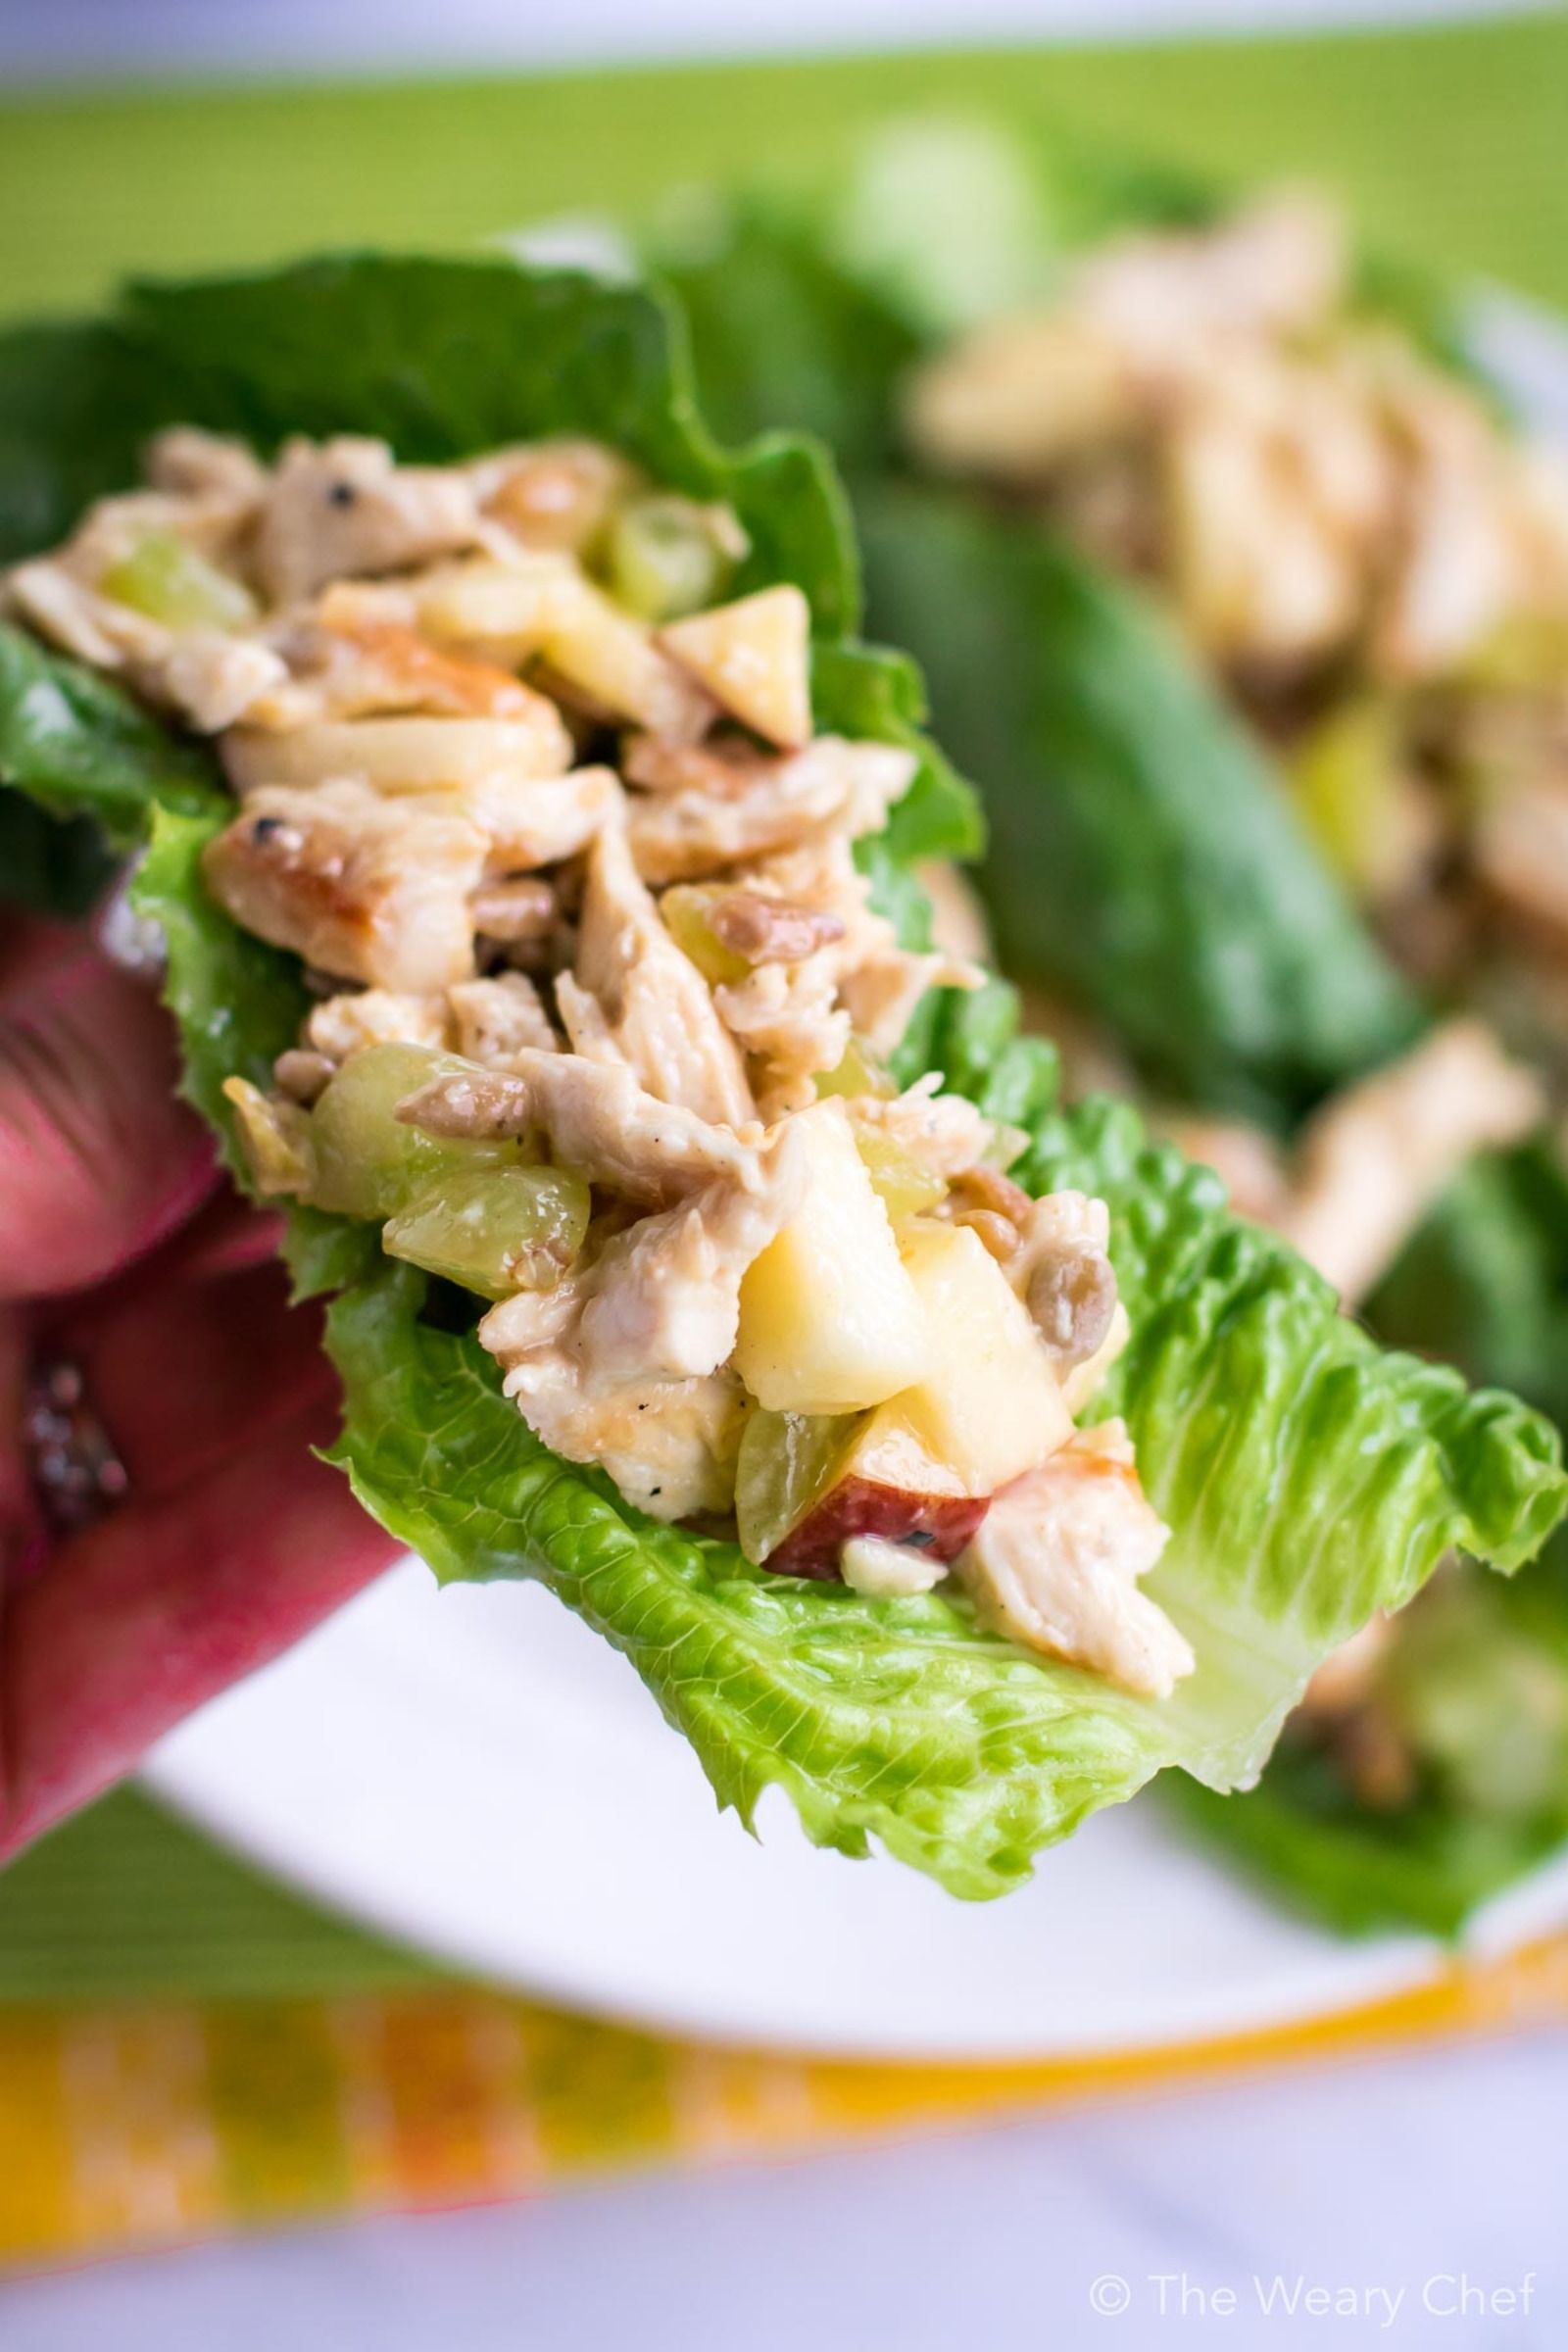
(1477, 1688)
(1143, 857)
(1310, 1478)
(1477, 1691)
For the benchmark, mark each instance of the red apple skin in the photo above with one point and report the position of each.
(863, 1506)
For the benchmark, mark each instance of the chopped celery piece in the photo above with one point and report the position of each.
(275, 1137)
(367, 1163)
(166, 579)
(905, 1186)
(664, 558)
(687, 911)
(1525, 652)
(858, 1073)
(1357, 797)
(494, 1230)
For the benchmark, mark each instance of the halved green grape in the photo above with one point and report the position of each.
(494, 1230)
(368, 1164)
(905, 1187)
(787, 1463)
(806, 1484)
(166, 579)
(666, 557)
(687, 910)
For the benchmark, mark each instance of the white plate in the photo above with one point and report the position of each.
(475, 1772)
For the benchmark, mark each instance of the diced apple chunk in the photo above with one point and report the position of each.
(989, 1405)
(830, 1322)
(806, 1487)
(754, 656)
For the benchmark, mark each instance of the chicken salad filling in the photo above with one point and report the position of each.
(1373, 561)
(603, 1011)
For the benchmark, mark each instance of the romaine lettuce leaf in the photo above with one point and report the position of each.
(1477, 1688)
(1309, 1477)
(1143, 856)
(1477, 1693)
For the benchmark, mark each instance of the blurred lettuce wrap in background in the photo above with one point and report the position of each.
(1187, 864)
(1311, 1479)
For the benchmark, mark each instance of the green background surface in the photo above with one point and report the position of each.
(1450, 143)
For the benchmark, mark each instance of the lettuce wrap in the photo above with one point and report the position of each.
(1147, 860)
(1310, 1478)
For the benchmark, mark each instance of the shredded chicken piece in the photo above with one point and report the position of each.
(1276, 266)
(1278, 491)
(555, 494)
(1372, 1162)
(635, 996)
(1055, 1561)
(363, 887)
(1140, 322)
(747, 807)
(187, 463)
(1521, 851)
(787, 1017)
(362, 667)
(344, 508)
(881, 992)
(620, 1370)
(518, 911)
(206, 676)
(347, 1023)
(665, 1296)
(1458, 566)
(599, 1121)
(212, 680)
(944, 1133)
(1019, 396)
(670, 1445)
(51, 598)
(796, 1021)
(498, 1019)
